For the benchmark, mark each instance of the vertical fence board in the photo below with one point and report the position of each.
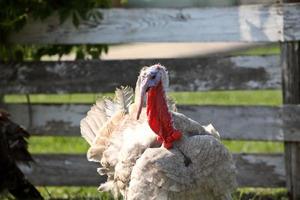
(290, 54)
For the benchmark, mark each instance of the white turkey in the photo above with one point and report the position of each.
(150, 151)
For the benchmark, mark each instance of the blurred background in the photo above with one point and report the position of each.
(10, 52)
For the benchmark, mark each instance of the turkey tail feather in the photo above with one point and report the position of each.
(100, 121)
(95, 119)
(124, 98)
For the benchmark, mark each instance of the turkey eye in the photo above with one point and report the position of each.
(153, 77)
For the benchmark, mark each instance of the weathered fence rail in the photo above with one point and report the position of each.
(251, 23)
(191, 74)
(233, 122)
(191, 3)
(256, 170)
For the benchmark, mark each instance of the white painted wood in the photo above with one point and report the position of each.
(248, 23)
(292, 22)
(233, 122)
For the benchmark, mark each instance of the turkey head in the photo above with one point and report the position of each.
(154, 82)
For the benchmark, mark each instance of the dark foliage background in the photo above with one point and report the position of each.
(14, 15)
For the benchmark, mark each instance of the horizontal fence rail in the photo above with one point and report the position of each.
(233, 122)
(251, 23)
(190, 74)
(254, 170)
(62, 170)
(193, 3)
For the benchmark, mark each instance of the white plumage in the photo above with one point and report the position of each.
(138, 168)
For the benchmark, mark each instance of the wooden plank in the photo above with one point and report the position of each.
(290, 121)
(249, 122)
(291, 22)
(192, 74)
(53, 120)
(245, 2)
(249, 23)
(290, 54)
(233, 122)
(62, 170)
(193, 3)
(74, 170)
(258, 170)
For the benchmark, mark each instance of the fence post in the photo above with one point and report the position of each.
(290, 58)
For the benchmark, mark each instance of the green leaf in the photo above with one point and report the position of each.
(14, 15)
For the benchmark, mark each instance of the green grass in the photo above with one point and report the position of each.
(259, 97)
(253, 97)
(261, 194)
(55, 98)
(68, 193)
(91, 193)
(49, 144)
(270, 49)
(74, 193)
(254, 146)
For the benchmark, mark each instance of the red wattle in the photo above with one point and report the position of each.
(159, 117)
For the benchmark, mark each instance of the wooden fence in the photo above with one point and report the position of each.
(234, 122)
(251, 23)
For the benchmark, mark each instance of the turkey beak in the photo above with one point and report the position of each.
(144, 89)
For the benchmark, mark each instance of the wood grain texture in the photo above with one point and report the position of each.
(233, 122)
(74, 170)
(290, 54)
(291, 22)
(249, 23)
(249, 122)
(193, 3)
(192, 74)
(245, 2)
(62, 170)
(258, 170)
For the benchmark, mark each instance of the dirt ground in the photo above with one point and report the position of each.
(163, 50)
(170, 50)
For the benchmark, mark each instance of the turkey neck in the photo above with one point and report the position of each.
(159, 118)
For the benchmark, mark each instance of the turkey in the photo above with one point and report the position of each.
(13, 150)
(150, 151)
